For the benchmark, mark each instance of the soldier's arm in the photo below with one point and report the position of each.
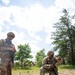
(1, 45)
(55, 60)
(0, 42)
(44, 63)
(59, 60)
(12, 48)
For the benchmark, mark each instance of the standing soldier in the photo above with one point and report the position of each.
(8, 46)
(49, 64)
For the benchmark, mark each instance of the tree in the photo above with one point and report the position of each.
(39, 56)
(23, 53)
(63, 37)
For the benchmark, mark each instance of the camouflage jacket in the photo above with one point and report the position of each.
(46, 61)
(5, 45)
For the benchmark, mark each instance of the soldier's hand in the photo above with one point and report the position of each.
(12, 49)
(52, 65)
(59, 61)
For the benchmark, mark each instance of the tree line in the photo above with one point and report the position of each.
(23, 57)
(63, 41)
(64, 37)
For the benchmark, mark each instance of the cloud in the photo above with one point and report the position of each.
(65, 4)
(33, 19)
(21, 38)
(34, 48)
(4, 15)
(59, 6)
(0, 28)
(48, 40)
(6, 2)
(2, 35)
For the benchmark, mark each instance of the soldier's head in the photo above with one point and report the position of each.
(50, 54)
(10, 35)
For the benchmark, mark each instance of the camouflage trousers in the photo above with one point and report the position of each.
(5, 63)
(51, 72)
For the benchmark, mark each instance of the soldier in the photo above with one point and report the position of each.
(8, 46)
(49, 64)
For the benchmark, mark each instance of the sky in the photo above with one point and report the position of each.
(32, 21)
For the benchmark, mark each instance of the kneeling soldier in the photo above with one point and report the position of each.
(49, 64)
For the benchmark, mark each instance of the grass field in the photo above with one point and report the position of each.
(32, 71)
(63, 69)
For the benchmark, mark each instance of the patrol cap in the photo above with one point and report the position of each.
(11, 34)
(50, 53)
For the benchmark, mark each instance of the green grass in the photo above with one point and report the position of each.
(35, 70)
(27, 68)
(62, 67)
(31, 71)
(67, 67)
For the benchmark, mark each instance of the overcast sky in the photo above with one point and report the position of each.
(32, 20)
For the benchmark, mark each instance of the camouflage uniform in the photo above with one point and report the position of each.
(5, 44)
(5, 63)
(46, 65)
(6, 55)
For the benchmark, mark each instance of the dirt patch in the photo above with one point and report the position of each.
(67, 72)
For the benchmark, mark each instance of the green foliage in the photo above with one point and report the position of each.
(39, 56)
(16, 65)
(64, 36)
(23, 53)
(27, 64)
(67, 67)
